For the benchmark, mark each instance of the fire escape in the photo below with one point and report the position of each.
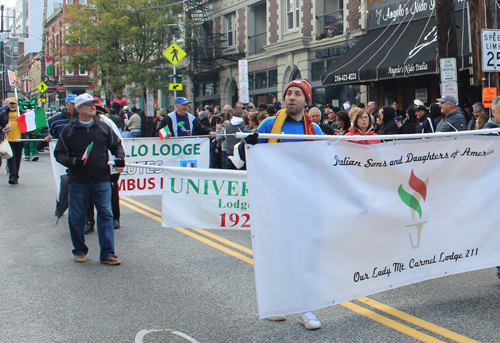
(207, 45)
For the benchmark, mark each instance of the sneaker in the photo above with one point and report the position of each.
(80, 257)
(276, 318)
(89, 228)
(112, 260)
(26, 158)
(13, 182)
(116, 223)
(35, 158)
(498, 272)
(309, 320)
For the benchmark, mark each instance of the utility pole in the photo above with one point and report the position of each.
(44, 22)
(491, 23)
(2, 56)
(446, 29)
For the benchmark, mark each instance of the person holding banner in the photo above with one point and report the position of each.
(8, 123)
(181, 123)
(291, 120)
(83, 148)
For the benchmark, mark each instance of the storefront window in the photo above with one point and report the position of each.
(261, 79)
(318, 69)
(251, 81)
(273, 78)
(318, 96)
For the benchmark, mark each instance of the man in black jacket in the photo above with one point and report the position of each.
(453, 117)
(424, 123)
(83, 148)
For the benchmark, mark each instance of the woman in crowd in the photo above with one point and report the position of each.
(343, 122)
(262, 116)
(362, 125)
(408, 126)
(482, 119)
(253, 122)
(389, 126)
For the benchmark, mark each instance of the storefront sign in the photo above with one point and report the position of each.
(383, 13)
(332, 51)
(490, 50)
(407, 69)
(421, 94)
(448, 69)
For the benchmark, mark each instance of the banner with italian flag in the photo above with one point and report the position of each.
(32, 120)
(50, 66)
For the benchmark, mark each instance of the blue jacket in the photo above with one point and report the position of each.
(290, 126)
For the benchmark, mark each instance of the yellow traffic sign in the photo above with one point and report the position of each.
(42, 87)
(41, 100)
(174, 54)
(175, 86)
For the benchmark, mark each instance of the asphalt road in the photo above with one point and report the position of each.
(180, 285)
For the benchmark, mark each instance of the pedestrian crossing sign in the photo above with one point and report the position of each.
(174, 54)
(175, 86)
(42, 87)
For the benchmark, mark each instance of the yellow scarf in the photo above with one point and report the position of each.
(280, 120)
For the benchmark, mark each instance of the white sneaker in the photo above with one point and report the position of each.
(309, 320)
(276, 318)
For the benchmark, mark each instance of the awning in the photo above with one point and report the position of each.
(399, 50)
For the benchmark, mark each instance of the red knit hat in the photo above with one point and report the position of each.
(302, 84)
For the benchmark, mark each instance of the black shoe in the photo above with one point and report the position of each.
(89, 228)
(116, 223)
(13, 182)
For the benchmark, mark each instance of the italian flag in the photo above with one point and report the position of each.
(163, 132)
(85, 156)
(50, 66)
(32, 120)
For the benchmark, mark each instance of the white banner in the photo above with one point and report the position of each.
(176, 152)
(205, 198)
(334, 222)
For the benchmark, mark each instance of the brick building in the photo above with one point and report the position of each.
(281, 39)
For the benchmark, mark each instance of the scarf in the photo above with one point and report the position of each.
(280, 120)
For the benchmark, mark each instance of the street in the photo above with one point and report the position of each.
(190, 285)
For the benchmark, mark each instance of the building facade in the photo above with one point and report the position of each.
(282, 40)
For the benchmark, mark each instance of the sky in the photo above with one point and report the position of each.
(10, 3)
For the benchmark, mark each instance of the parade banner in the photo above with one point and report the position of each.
(205, 198)
(184, 152)
(332, 222)
(173, 152)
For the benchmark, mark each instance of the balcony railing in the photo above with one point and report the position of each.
(330, 24)
(256, 43)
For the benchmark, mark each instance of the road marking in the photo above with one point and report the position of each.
(423, 337)
(140, 335)
(349, 305)
(417, 321)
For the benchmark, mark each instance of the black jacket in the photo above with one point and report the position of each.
(455, 121)
(73, 142)
(197, 129)
(424, 125)
(4, 120)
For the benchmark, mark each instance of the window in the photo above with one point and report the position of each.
(230, 27)
(273, 78)
(318, 68)
(69, 72)
(83, 72)
(261, 79)
(292, 14)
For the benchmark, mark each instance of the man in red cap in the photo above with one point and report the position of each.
(291, 120)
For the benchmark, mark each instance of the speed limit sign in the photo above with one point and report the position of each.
(490, 52)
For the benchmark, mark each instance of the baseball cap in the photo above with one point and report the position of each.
(418, 102)
(126, 108)
(262, 107)
(71, 98)
(181, 100)
(330, 106)
(13, 101)
(84, 98)
(420, 108)
(446, 98)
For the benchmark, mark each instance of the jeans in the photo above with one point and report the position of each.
(132, 134)
(78, 195)
(14, 163)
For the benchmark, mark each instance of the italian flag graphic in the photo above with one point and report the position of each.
(163, 132)
(50, 66)
(85, 156)
(32, 120)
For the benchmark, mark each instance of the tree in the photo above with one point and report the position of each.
(124, 40)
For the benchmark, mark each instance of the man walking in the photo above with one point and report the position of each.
(83, 148)
(291, 120)
(10, 127)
